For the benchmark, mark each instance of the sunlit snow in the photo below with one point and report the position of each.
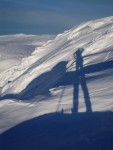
(45, 81)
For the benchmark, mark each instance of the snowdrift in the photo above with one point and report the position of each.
(94, 36)
(72, 108)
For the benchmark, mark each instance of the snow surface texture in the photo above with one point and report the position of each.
(73, 107)
(15, 47)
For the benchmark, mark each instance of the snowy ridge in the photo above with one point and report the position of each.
(95, 36)
(38, 84)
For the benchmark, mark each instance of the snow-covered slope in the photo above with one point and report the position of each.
(15, 47)
(95, 37)
(48, 81)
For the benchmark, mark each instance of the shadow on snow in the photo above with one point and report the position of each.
(58, 131)
(59, 77)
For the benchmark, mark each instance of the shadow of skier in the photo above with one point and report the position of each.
(80, 79)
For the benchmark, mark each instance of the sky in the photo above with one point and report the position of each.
(49, 16)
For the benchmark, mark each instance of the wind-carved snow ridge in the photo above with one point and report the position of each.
(61, 97)
(94, 36)
(49, 79)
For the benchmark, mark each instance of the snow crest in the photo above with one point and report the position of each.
(47, 79)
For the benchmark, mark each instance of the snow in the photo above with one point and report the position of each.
(13, 48)
(47, 87)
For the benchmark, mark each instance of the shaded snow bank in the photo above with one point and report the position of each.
(49, 83)
(94, 36)
(88, 131)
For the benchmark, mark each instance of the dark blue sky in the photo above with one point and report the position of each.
(49, 16)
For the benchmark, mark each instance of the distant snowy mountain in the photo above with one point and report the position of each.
(15, 47)
(74, 107)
